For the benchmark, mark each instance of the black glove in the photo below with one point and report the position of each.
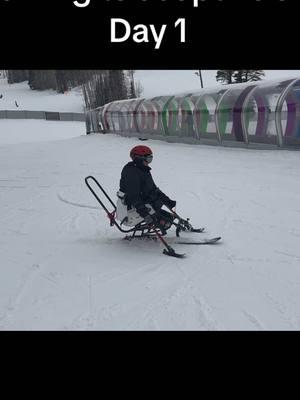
(142, 210)
(155, 222)
(170, 204)
(151, 219)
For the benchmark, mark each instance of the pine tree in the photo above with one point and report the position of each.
(225, 76)
(62, 81)
(248, 75)
(104, 86)
(238, 76)
(131, 84)
(117, 85)
(96, 88)
(17, 75)
(138, 89)
(42, 79)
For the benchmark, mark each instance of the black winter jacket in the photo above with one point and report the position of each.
(139, 188)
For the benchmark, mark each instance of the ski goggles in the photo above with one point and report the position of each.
(148, 158)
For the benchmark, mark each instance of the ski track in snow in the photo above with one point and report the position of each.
(174, 307)
(253, 320)
(292, 321)
(14, 300)
(60, 197)
(165, 305)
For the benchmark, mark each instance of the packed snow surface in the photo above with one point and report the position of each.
(64, 268)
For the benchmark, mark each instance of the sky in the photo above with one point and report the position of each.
(160, 82)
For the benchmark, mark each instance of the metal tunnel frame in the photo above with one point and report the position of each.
(253, 114)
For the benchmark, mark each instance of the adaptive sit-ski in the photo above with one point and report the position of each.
(141, 230)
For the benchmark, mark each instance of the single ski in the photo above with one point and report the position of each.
(200, 230)
(188, 229)
(199, 242)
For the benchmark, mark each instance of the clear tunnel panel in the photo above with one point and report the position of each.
(260, 112)
(290, 115)
(204, 116)
(149, 115)
(230, 112)
(121, 115)
(177, 116)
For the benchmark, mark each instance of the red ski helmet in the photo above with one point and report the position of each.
(141, 152)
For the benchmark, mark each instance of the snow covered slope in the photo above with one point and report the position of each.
(64, 268)
(46, 100)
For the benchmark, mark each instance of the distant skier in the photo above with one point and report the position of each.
(17, 105)
(143, 200)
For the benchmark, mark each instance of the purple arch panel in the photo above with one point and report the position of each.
(291, 116)
(262, 119)
(237, 127)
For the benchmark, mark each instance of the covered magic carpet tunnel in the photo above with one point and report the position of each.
(253, 114)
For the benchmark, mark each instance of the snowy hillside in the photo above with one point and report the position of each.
(64, 268)
(46, 100)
